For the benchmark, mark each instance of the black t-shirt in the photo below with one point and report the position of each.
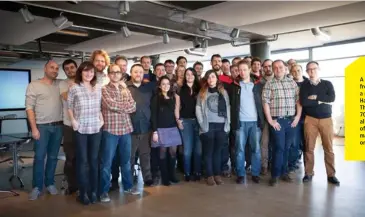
(163, 112)
(188, 102)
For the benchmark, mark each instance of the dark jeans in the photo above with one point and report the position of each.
(87, 160)
(141, 143)
(213, 142)
(155, 161)
(47, 145)
(192, 146)
(109, 146)
(225, 155)
(282, 139)
(232, 150)
(296, 149)
(69, 147)
(115, 166)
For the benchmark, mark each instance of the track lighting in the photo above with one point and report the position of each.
(27, 16)
(235, 33)
(205, 44)
(320, 34)
(60, 21)
(126, 32)
(124, 7)
(196, 43)
(165, 38)
(203, 25)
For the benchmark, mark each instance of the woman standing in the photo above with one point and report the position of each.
(165, 119)
(190, 128)
(213, 115)
(84, 108)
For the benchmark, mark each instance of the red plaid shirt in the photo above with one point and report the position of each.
(116, 107)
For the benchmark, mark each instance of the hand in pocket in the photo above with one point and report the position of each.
(75, 125)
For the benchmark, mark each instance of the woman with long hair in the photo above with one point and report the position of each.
(165, 113)
(213, 115)
(190, 128)
(84, 108)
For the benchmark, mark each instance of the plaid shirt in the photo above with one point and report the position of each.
(282, 96)
(116, 108)
(86, 107)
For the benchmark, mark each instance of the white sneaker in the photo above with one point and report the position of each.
(132, 191)
(52, 190)
(34, 194)
(105, 198)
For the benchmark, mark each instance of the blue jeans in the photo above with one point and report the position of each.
(297, 146)
(251, 134)
(192, 146)
(48, 144)
(212, 142)
(282, 139)
(87, 161)
(111, 143)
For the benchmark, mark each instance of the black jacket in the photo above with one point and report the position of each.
(234, 91)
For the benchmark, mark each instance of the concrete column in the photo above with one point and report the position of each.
(260, 50)
(155, 59)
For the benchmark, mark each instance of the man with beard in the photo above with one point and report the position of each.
(198, 66)
(141, 121)
(148, 76)
(44, 110)
(234, 71)
(69, 147)
(100, 60)
(122, 62)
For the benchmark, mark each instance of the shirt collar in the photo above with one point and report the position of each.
(110, 85)
(315, 83)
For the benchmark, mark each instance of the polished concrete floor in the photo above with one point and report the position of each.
(317, 199)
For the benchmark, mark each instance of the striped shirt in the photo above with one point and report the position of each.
(86, 107)
(116, 107)
(282, 96)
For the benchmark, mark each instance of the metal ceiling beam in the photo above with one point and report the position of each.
(112, 19)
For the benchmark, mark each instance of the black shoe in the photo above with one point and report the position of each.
(273, 181)
(70, 191)
(197, 177)
(93, 198)
(286, 178)
(256, 179)
(114, 186)
(172, 170)
(84, 199)
(307, 178)
(333, 180)
(148, 183)
(165, 179)
(187, 178)
(240, 180)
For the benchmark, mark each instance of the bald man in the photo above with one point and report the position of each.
(44, 110)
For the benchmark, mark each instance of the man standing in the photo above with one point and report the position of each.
(266, 145)
(69, 146)
(147, 72)
(170, 67)
(100, 60)
(117, 104)
(141, 121)
(225, 67)
(256, 70)
(122, 62)
(247, 121)
(282, 109)
(316, 96)
(198, 66)
(44, 111)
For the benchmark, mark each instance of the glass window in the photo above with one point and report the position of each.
(339, 86)
(334, 68)
(297, 55)
(339, 51)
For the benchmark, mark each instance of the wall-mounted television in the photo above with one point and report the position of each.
(13, 86)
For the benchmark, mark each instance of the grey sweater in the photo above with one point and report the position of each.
(202, 110)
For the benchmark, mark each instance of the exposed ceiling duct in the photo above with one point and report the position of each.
(60, 21)
(27, 16)
(126, 32)
(234, 44)
(192, 51)
(320, 34)
(165, 38)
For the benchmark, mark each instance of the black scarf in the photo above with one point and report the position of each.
(222, 108)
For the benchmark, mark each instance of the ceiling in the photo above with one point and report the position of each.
(97, 25)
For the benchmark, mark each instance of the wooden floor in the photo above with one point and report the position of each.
(317, 199)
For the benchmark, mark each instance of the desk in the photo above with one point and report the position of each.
(13, 142)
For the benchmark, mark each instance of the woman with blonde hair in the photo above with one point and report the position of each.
(213, 115)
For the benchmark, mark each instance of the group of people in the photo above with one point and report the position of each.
(248, 116)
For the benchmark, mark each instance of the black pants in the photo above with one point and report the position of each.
(69, 147)
(213, 142)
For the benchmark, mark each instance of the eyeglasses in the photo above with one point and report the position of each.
(115, 72)
(312, 69)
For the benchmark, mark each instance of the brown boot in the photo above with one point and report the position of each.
(218, 180)
(210, 181)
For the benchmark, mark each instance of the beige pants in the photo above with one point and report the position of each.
(324, 127)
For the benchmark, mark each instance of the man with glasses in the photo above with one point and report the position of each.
(169, 67)
(117, 105)
(316, 96)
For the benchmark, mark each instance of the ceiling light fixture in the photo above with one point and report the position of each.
(60, 21)
(192, 51)
(125, 31)
(235, 33)
(124, 7)
(196, 43)
(165, 38)
(205, 44)
(203, 25)
(320, 34)
(27, 16)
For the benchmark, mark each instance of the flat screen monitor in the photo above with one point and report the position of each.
(13, 85)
